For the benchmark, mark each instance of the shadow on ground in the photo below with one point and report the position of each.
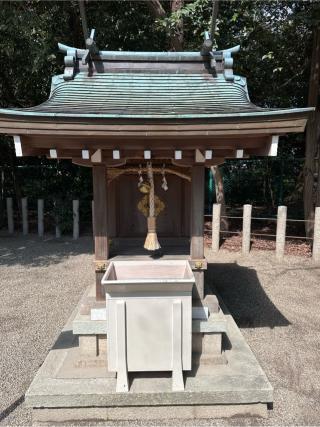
(33, 251)
(7, 411)
(65, 340)
(241, 291)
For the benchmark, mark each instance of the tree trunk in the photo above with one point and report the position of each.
(215, 9)
(84, 24)
(218, 183)
(312, 135)
(156, 8)
(176, 38)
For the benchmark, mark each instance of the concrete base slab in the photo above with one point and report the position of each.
(130, 413)
(69, 387)
(77, 366)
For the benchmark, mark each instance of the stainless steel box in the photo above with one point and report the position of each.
(149, 291)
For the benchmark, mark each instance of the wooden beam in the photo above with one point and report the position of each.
(107, 154)
(187, 163)
(99, 174)
(99, 142)
(68, 127)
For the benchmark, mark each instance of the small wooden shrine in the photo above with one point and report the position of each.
(149, 121)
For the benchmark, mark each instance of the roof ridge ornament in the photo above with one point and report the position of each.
(225, 56)
(72, 54)
(91, 48)
(70, 62)
(228, 62)
(207, 44)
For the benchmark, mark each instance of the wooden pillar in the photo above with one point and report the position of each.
(92, 216)
(101, 244)
(197, 212)
(197, 224)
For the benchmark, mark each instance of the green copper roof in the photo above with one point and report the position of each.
(148, 85)
(146, 95)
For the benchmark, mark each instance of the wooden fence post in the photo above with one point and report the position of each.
(24, 208)
(40, 218)
(75, 208)
(10, 215)
(281, 231)
(316, 236)
(216, 218)
(246, 229)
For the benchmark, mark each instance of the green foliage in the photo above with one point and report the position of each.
(196, 17)
(61, 215)
(263, 182)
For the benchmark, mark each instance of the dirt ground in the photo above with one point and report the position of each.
(276, 305)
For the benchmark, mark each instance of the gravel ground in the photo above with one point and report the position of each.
(275, 304)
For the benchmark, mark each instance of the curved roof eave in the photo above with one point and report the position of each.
(172, 116)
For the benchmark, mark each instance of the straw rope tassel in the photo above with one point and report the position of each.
(151, 243)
